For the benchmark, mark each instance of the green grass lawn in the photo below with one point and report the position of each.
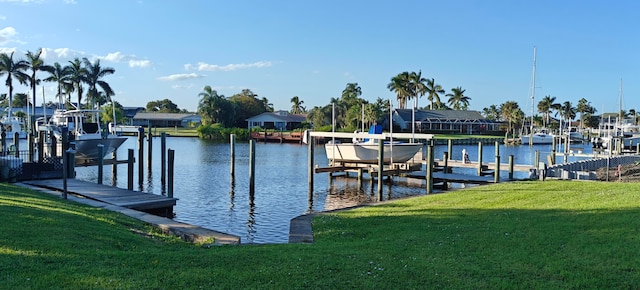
(553, 234)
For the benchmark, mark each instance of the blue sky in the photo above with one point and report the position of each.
(312, 49)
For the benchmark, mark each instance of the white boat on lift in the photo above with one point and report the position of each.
(540, 137)
(367, 150)
(84, 135)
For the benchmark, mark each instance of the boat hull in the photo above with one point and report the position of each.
(368, 153)
(86, 150)
(537, 139)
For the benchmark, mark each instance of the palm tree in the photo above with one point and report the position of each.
(492, 113)
(351, 92)
(60, 75)
(13, 70)
(510, 111)
(545, 106)
(77, 76)
(583, 108)
(418, 85)
(209, 107)
(296, 106)
(36, 64)
(434, 90)
(457, 99)
(94, 75)
(567, 112)
(401, 84)
(267, 106)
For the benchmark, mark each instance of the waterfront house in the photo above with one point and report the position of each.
(278, 120)
(166, 119)
(446, 121)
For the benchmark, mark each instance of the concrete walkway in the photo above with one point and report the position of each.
(187, 232)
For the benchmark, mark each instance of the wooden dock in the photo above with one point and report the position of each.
(137, 200)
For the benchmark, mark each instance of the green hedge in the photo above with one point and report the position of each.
(217, 132)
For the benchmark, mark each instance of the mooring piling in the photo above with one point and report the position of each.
(429, 168)
(252, 167)
(310, 172)
(100, 162)
(232, 142)
(163, 159)
(171, 163)
(140, 156)
(130, 170)
(479, 158)
(380, 168)
(149, 149)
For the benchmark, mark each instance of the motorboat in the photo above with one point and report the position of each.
(363, 150)
(85, 135)
(541, 137)
(12, 125)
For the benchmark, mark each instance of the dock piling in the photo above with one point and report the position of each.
(140, 156)
(170, 166)
(149, 150)
(511, 167)
(252, 167)
(380, 168)
(163, 159)
(450, 148)
(310, 173)
(130, 170)
(429, 168)
(100, 162)
(479, 158)
(232, 143)
(496, 171)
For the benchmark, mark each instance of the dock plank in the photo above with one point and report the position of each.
(108, 194)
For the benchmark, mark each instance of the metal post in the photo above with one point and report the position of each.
(171, 155)
(100, 162)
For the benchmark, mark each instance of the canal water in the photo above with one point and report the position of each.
(211, 198)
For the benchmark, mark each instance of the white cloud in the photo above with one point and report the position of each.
(181, 77)
(131, 59)
(201, 66)
(176, 87)
(70, 2)
(114, 56)
(7, 34)
(2, 17)
(7, 50)
(139, 63)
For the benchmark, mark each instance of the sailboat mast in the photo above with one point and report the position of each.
(533, 94)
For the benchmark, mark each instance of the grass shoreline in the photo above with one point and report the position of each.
(553, 234)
